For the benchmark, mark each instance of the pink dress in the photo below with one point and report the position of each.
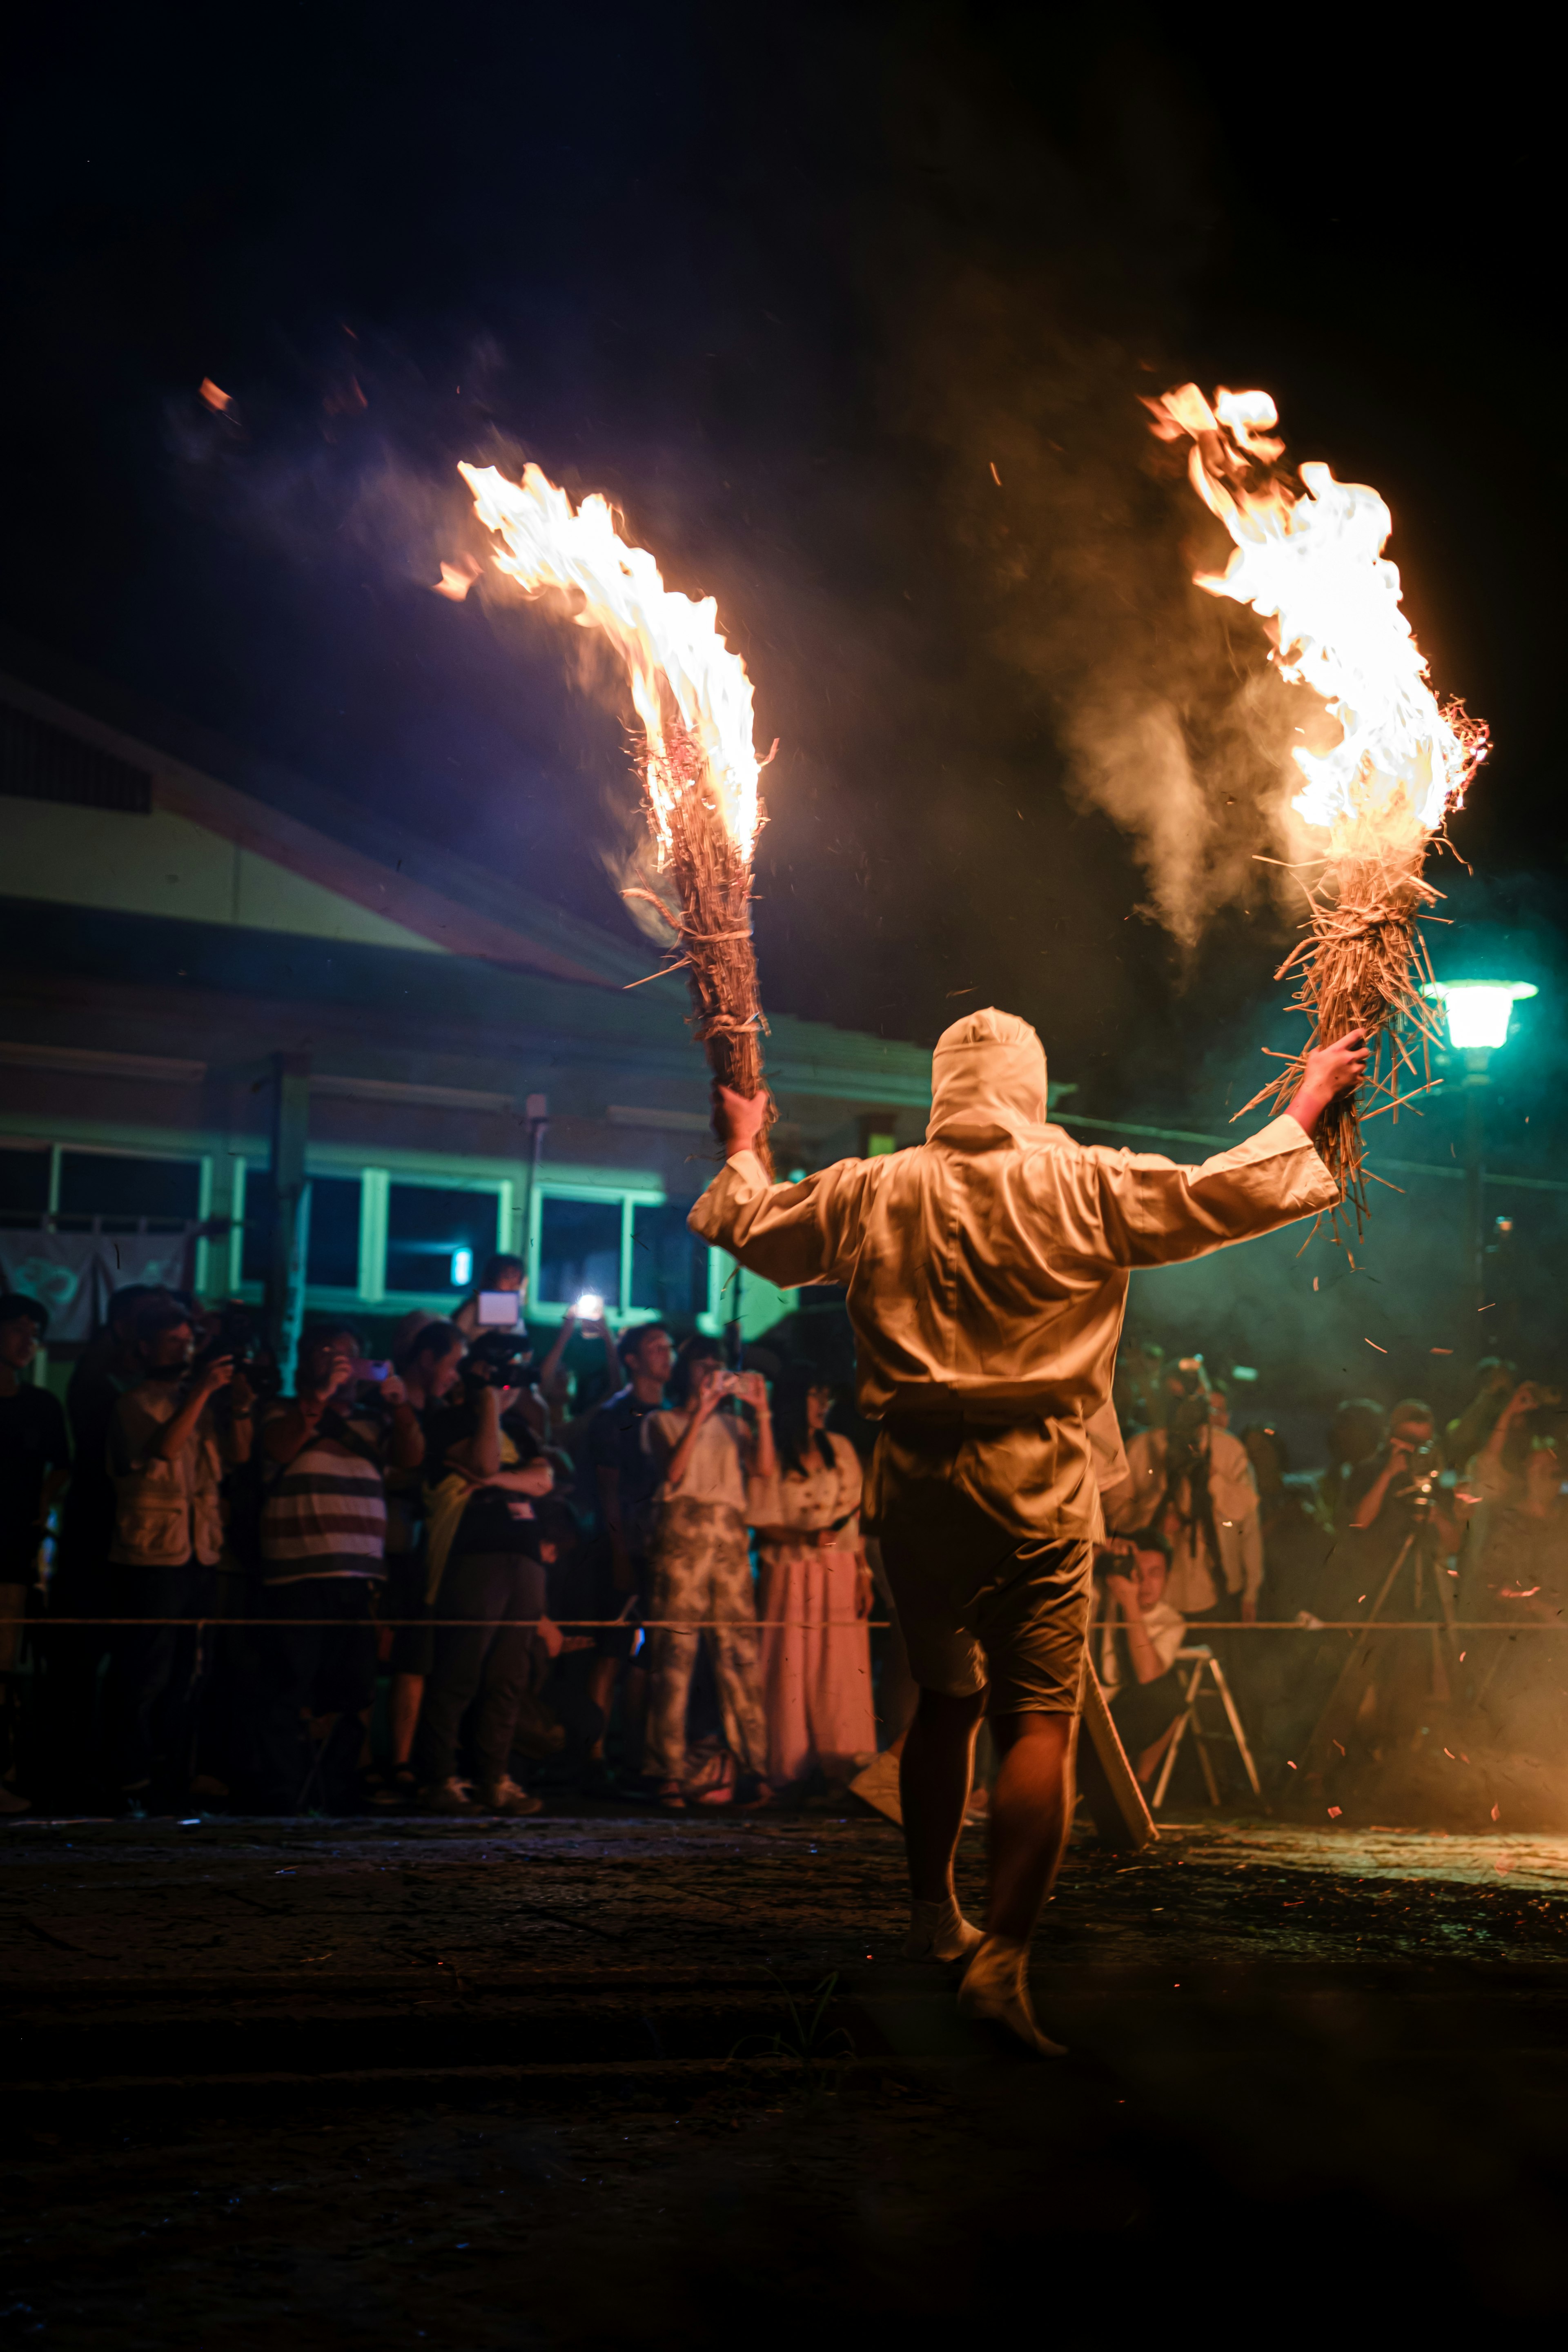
(816, 1668)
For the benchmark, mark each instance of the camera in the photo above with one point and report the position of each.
(499, 1359)
(238, 1337)
(1420, 1489)
(1187, 1385)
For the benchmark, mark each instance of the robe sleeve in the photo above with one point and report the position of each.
(790, 1234)
(1153, 1212)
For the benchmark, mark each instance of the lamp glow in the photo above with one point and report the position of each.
(1479, 1010)
(462, 1268)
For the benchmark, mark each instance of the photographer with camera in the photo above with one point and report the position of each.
(484, 1470)
(1139, 1637)
(167, 1456)
(327, 1451)
(1193, 1482)
(1398, 1493)
(718, 1480)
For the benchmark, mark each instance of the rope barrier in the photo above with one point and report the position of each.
(1196, 1630)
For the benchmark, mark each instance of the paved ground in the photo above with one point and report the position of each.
(409, 2082)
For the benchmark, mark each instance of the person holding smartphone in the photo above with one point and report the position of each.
(166, 1455)
(718, 1480)
(326, 1452)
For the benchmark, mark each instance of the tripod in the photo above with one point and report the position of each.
(1342, 1708)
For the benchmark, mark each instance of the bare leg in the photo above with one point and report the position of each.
(933, 1784)
(601, 1690)
(1149, 1762)
(407, 1690)
(1031, 1808)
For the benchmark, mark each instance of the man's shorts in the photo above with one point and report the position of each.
(979, 1604)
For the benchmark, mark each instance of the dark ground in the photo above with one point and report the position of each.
(317, 2083)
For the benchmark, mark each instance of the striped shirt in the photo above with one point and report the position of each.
(325, 1512)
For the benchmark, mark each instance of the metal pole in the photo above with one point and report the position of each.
(289, 1239)
(1476, 1087)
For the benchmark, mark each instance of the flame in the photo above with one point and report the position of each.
(456, 579)
(686, 682)
(1310, 560)
(216, 399)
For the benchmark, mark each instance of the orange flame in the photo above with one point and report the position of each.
(456, 579)
(1312, 560)
(677, 663)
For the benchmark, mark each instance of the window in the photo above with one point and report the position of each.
(121, 1189)
(24, 1185)
(428, 1226)
(579, 1250)
(331, 1255)
(669, 1265)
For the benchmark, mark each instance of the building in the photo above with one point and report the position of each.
(225, 983)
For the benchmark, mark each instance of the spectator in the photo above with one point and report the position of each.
(1525, 1557)
(1523, 1576)
(35, 1459)
(1140, 1386)
(1393, 1560)
(1396, 1496)
(1496, 1379)
(323, 1550)
(1355, 1433)
(1194, 1483)
(716, 1478)
(501, 1271)
(167, 1458)
(542, 1398)
(1491, 1471)
(625, 1482)
(815, 1584)
(80, 1587)
(429, 1370)
(483, 1471)
(1141, 1633)
(1294, 1540)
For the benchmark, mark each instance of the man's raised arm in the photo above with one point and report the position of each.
(1157, 1213)
(774, 1229)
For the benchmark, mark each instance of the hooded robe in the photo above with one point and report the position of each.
(986, 1269)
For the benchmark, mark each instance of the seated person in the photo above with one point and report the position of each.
(1139, 1637)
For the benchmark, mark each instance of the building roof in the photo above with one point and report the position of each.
(264, 881)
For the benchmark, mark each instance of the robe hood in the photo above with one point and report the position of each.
(988, 1084)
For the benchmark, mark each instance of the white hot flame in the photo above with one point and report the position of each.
(1313, 562)
(671, 643)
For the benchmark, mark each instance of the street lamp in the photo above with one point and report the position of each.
(1479, 1012)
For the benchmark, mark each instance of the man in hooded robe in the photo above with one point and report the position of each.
(986, 1273)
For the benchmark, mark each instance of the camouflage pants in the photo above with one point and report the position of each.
(702, 1572)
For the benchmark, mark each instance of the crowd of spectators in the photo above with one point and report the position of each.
(1410, 1521)
(442, 1581)
(424, 1581)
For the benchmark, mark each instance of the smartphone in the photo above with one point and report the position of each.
(366, 1368)
(500, 1310)
(590, 1307)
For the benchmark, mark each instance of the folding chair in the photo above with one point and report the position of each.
(1201, 1659)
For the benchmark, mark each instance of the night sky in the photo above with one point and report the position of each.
(789, 294)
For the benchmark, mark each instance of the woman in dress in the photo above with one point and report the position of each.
(817, 1591)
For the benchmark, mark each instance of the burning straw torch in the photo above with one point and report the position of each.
(1308, 560)
(699, 768)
